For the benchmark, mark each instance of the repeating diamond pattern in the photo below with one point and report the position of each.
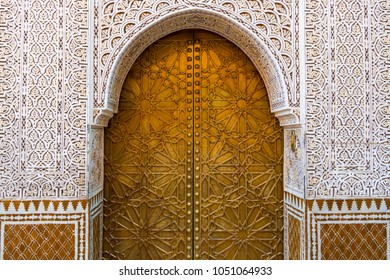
(39, 242)
(294, 238)
(353, 241)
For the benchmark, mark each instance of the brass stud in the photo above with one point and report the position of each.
(189, 91)
(189, 84)
(189, 134)
(197, 125)
(189, 75)
(188, 257)
(197, 83)
(197, 142)
(197, 91)
(197, 168)
(197, 256)
(189, 143)
(197, 57)
(189, 67)
(189, 186)
(197, 159)
(189, 169)
(189, 58)
(188, 194)
(188, 230)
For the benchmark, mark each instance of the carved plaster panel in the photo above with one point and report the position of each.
(95, 162)
(43, 99)
(294, 164)
(347, 44)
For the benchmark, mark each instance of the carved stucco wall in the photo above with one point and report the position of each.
(44, 72)
(43, 99)
(348, 113)
(57, 71)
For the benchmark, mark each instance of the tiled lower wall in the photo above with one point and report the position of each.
(45, 230)
(357, 229)
(361, 240)
(349, 229)
(294, 233)
(96, 227)
(315, 229)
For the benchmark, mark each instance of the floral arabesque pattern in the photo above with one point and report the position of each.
(269, 20)
(43, 99)
(347, 105)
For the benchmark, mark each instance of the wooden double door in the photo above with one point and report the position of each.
(193, 159)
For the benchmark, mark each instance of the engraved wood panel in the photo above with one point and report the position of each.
(240, 150)
(146, 209)
(194, 157)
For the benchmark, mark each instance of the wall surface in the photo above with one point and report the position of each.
(347, 109)
(43, 131)
(61, 61)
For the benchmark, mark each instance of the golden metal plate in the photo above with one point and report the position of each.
(194, 157)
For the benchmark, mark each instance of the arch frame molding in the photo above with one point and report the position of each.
(131, 45)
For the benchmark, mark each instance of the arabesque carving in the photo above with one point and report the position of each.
(263, 30)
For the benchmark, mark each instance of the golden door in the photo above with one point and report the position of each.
(193, 159)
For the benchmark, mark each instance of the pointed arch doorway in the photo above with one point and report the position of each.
(193, 159)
